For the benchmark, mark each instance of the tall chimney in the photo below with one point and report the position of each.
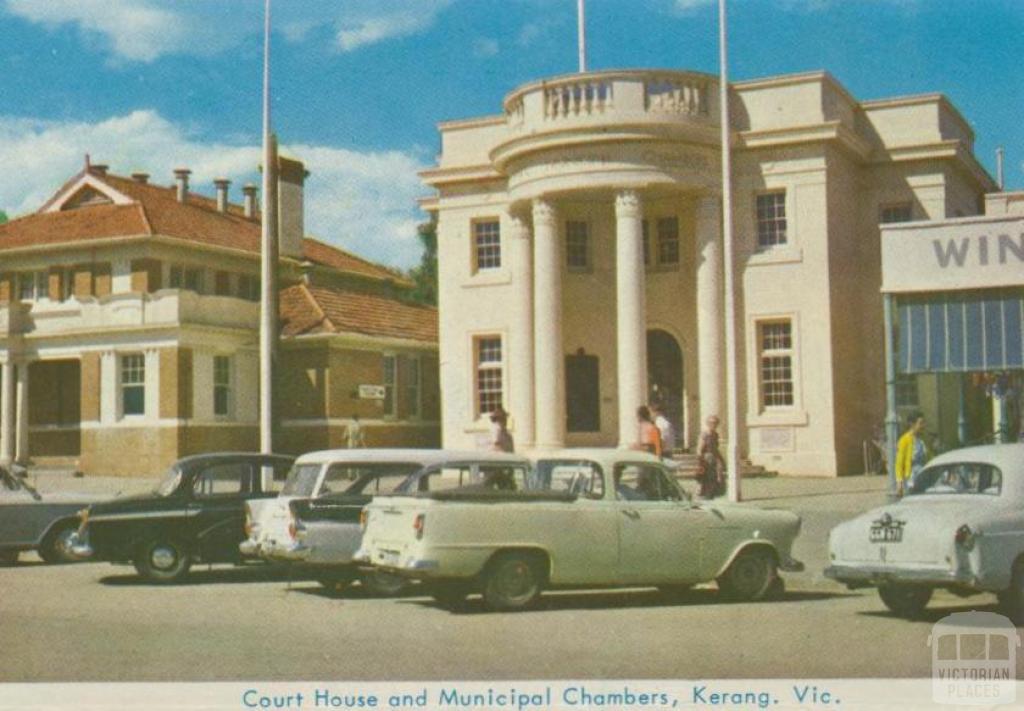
(222, 193)
(181, 174)
(141, 178)
(99, 169)
(290, 209)
(249, 190)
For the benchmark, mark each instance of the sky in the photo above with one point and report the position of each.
(359, 85)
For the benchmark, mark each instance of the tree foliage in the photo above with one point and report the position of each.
(425, 275)
(3, 217)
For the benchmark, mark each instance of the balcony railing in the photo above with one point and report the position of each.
(169, 307)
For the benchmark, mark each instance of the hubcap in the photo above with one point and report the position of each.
(163, 557)
(750, 574)
(516, 580)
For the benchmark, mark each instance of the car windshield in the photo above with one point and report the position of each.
(169, 483)
(301, 480)
(379, 479)
(959, 478)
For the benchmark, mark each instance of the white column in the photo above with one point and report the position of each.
(21, 428)
(109, 405)
(710, 341)
(152, 387)
(631, 314)
(521, 348)
(549, 359)
(7, 413)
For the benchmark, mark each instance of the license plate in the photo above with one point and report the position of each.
(886, 534)
(389, 558)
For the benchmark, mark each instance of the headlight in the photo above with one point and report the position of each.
(965, 537)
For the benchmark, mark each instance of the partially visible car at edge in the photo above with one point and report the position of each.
(196, 514)
(960, 528)
(31, 521)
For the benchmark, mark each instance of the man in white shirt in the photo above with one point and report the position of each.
(668, 432)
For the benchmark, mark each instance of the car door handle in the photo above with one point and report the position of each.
(631, 513)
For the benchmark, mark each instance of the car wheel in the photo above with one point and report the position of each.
(906, 601)
(335, 581)
(56, 546)
(9, 557)
(1012, 600)
(162, 560)
(512, 581)
(383, 584)
(450, 595)
(750, 576)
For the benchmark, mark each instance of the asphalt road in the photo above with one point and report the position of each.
(98, 622)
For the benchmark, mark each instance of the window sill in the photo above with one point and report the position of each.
(488, 278)
(784, 254)
(782, 416)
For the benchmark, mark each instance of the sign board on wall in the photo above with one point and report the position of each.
(372, 392)
(967, 253)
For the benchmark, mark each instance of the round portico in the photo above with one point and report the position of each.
(617, 142)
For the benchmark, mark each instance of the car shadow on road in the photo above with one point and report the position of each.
(218, 576)
(355, 591)
(560, 601)
(932, 615)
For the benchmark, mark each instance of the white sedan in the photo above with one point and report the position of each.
(960, 527)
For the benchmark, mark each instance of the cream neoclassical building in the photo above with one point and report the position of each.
(581, 263)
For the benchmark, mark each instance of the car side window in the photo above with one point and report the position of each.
(502, 477)
(571, 477)
(641, 482)
(224, 479)
(446, 477)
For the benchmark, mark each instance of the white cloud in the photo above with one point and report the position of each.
(144, 30)
(360, 200)
(485, 47)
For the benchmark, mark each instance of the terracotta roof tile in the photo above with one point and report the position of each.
(314, 309)
(158, 212)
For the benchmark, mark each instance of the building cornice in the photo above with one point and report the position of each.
(812, 133)
(357, 341)
(464, 174)
(921, 100)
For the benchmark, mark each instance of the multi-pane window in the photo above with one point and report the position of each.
(487, 244)
(897, 212)
(771, 218)
(133, 384)
(249, 287)
(646, 232)
(668, 241)
(190, 278)
(489, 366)
(32, 286)
(412, 386)
(222, 284)
(390, 381)
(577, 245)
(221, 385)
(906, 391)
(776, 363)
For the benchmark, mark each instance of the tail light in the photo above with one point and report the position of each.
(248, 522)
(293, 530)
(418, 524)
(965, 537)
(363, 518)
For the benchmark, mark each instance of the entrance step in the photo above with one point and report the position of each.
(54, 467)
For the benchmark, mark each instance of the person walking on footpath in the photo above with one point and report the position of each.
(710, 462)
(650, 437)
(665, 429)
(354, 434)
(500, 439)
(912, 454)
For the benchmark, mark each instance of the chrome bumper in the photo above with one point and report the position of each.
(870, 576)
(80, 547)
(291, 552)
(249, 548)
(791, 565)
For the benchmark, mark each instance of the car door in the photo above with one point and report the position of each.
(217, 507)
(661, 534)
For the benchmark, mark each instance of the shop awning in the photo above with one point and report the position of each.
(951, 332)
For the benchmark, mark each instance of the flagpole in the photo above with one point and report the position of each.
(268, 257)
(732, 458)
(581, 31)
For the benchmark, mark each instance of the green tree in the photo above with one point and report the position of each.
(425, 275)
(3, 217)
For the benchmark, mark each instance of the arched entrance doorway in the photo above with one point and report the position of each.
(665, 377)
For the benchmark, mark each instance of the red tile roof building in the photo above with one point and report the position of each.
(128, 322)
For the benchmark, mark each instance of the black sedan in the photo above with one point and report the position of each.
(196, 514)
